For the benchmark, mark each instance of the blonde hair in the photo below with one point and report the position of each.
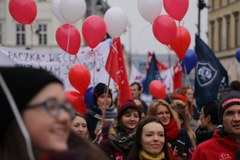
(153, 107)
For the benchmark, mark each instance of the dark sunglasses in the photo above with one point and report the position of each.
(55, 108)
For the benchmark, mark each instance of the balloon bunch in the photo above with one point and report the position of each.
(157, 89)
(23, 11)
(164, 27)
(189, 61)
(238, 54)
(68, 12)
(79, 77)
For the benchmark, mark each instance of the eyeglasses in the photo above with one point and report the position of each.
(54, 108)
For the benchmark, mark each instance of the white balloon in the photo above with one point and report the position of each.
(116, 21)
(56, 11)
(149, 9)
(73, 10)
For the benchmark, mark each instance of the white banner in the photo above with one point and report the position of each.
(59, 62)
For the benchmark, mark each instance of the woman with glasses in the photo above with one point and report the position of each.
(177, 136)
(35, 117)
(150, 141)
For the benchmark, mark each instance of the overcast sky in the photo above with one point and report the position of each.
(139, 38)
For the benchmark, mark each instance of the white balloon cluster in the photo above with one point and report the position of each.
(116, 21)
(69, 11)
(150, 9)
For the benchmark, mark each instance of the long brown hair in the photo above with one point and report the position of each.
(137, 146)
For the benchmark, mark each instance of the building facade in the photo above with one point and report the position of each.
(41, 33)
(224, 33)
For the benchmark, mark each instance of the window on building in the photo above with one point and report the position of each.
(42, 34)
(236, 31)
(228, 31)
(20, 34)
(213, 4)
(212, 34)
(1, 33)
(219, 34)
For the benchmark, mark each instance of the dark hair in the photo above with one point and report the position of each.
(138, 84)
(211, 108)
(235, 85)
(12, 144)
(137, 146)
(100, 89)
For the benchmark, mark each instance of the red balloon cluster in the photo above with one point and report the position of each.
(94, 30)
(68, 38)
(157, 89)
(164, 29)
(79, 77)
(181, 42)
(176, 8)
(77, 100)
(23, 11)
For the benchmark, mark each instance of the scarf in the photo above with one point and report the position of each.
(96, 112)
(120, 139)
(144, 156)
(172, 130)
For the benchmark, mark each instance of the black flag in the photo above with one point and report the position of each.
(210, 75)
(152, 74)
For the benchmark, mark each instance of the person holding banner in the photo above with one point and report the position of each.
(102, 103)
(35, 117)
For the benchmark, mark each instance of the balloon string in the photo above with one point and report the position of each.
(77, 59)
(35, 50)
(94, 66)
(188, 79)
(31, 27)
(68, 40)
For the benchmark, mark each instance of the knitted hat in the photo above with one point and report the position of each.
(23, 83)
(227, 100)
(180, 97)
(126, 105)
(100, 89)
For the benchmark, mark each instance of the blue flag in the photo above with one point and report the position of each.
(210, 75)
(152, 74)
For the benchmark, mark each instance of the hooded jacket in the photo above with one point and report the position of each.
(220, 147)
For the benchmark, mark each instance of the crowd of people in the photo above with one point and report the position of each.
(38, 123)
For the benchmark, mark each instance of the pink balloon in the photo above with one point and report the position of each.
(23, 11)
(157, 89)
(164, 29)
(182, 41)
(76, 99)
(79, 77)
(68, 38)
(94, 30)
(176, 8)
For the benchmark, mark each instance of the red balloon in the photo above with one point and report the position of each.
(164, 29)
(79, 77)
(23, 11)
(157, 89)
(76, 99)
(176, 8)
(181, 43)
(68, 38)
(93, 30)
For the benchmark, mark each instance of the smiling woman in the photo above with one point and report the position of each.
(35, 118)
(150, 141)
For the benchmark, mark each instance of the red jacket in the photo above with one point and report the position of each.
(216, 148)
